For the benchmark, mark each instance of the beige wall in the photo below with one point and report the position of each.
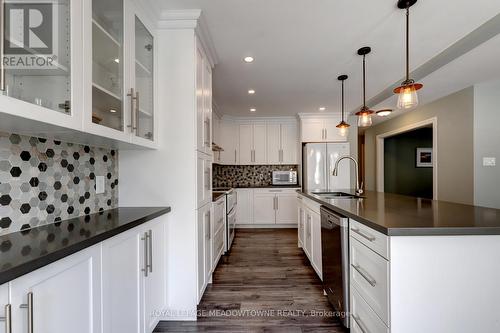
(455, 119)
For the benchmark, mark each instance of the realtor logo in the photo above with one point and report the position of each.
(30, 35)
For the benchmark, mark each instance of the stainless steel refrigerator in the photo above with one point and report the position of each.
(318, 163)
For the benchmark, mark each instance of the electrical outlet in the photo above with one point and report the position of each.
(489, 161)
(99, 184)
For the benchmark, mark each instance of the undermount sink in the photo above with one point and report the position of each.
(336, 195)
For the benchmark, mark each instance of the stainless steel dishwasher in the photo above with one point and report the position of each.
(335, 259)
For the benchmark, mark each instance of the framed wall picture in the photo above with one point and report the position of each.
(424, 158)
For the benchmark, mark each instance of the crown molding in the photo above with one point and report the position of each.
(191, 19)
(260, 119)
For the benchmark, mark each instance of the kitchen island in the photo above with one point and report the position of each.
(412, 262)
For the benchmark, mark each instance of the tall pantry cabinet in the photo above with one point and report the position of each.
(203, 167)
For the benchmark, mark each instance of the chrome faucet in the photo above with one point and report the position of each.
(335, 173)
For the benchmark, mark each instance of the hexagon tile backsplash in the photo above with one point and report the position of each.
(44, 181)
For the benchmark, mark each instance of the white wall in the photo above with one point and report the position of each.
(486, 143)
(167, 176)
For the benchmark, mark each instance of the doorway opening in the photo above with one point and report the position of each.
(407, 160)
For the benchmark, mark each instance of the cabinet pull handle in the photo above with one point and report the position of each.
(235, 156)
(8, 318)
(207, 233)
(150, 232)
(2, 45)
(362, 234)
(326, 134)
(274, 203)
(133, 98)
(360, 324)
(277, 203)
(29, 306)
(137, 106)
(365, 275)
(145, 269)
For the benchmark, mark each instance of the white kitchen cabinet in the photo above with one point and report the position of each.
(244, 206)
(253, 144)
(282, 144)
(119, 82)
(286, 208)
(204, 248)
(309, 211)
(219, 214)
(203, 102)
(317, 258)
(155, 293)
(65, 294)
(229, 142)
(301, 217)
(320, 128)
(275, 206)
(203, 179)
(264, 207)
(123, 267)
(308, 234)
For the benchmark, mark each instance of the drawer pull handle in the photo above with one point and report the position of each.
(362, 234)
(29, 306)
(365, 275)
(360, 324)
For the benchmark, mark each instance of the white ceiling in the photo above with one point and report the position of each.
(301, 46)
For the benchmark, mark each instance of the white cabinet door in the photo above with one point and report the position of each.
(244, 206)
(5, 306)
(286, 208)
(331, 130)
(289, 144)
(308, 234)
(229, 142)
(312, 130)
(316, 242)
(207, 106)
(274, 144)
(246, 144)
(65, 295)
(301, 216)
(259, 144)
(203, 179)
(264, 207)
(123, 264)
(155, 296)
(204, 245)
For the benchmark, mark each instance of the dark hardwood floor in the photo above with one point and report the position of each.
(265, 284)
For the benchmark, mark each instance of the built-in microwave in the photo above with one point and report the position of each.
(284, 178)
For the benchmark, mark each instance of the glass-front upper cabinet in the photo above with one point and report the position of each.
(36, 55)
(144, 81)
(108, 63)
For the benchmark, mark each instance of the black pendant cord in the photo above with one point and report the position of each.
(407, 42)
(364, 82)
(342, 100)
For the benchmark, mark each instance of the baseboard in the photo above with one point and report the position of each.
(266, 226)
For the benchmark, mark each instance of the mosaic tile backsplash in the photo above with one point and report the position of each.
(246, 175)
(44, 181)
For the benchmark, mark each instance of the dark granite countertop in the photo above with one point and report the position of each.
(267, 186)
(398, 215)
(25, 251)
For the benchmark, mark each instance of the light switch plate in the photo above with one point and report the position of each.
(99, 184)
(489, 161)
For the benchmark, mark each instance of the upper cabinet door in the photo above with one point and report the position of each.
(274, 148)
(207, 103)
(259, 144)
(246, 144)
(106, 115)
(289, 144)
(313, 130)
(144, 81)
(42, 66)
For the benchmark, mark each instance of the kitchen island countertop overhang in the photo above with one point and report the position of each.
(399, 215)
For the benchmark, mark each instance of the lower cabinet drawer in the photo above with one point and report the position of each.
(363, 318)
(370, 277)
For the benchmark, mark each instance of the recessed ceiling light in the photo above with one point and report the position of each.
(322, 108)
(112, 110)
(253, 109)
(248, 59)
(117, 60)
(251, 91)
(384, 112)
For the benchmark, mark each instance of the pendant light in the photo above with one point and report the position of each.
(364, 114)
(408, 98)
(343, 126)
